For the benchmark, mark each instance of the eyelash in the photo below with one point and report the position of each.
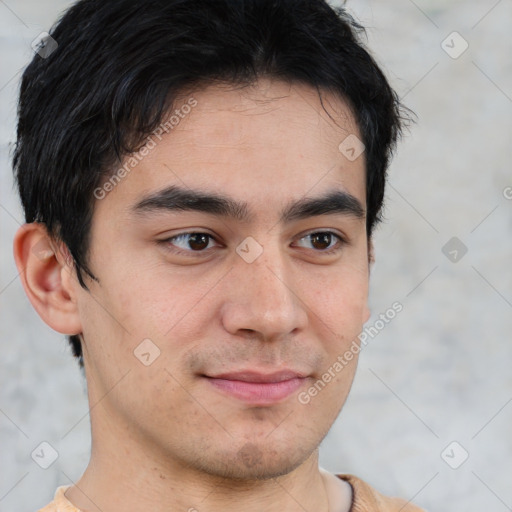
(166, 242)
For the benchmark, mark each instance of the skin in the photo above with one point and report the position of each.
(163, 437)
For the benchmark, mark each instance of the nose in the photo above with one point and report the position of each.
(264, 298)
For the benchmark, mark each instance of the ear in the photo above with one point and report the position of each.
(47, 275)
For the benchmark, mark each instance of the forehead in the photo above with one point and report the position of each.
(269, 117)
(270, 142)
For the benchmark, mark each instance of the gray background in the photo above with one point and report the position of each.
(439, 372)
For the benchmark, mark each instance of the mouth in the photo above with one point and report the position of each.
(258, 388)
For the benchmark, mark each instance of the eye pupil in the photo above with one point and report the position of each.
(198, 241)
(323, 239)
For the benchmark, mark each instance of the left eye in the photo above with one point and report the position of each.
(322, 240)
(191, 241)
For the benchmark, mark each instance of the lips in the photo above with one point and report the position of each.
(258, 388)
(259, 377)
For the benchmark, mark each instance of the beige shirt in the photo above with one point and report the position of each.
(364, 499)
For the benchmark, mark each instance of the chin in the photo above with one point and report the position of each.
(254, 461)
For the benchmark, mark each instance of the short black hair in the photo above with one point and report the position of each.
(120, 65)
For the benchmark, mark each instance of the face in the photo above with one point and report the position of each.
(233, 272)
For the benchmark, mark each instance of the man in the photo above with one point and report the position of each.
(201, 181)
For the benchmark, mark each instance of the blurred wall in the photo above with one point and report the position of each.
(431, 407)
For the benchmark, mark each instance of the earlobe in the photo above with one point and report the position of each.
(47, 278)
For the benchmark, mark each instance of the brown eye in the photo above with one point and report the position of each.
(190, 242)
(323, 241)
(198, 241)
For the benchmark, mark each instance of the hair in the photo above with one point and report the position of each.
(120, 65)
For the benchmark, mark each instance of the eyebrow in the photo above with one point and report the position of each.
(175, 198)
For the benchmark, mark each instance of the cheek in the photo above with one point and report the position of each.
(148, 311)
(339, 296)
(104, 336)
(326, 395)
(339, 313)
(138, 304)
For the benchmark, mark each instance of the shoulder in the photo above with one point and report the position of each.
(367, 499)
(60, 503)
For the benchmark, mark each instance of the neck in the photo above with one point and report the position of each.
(126, 475)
